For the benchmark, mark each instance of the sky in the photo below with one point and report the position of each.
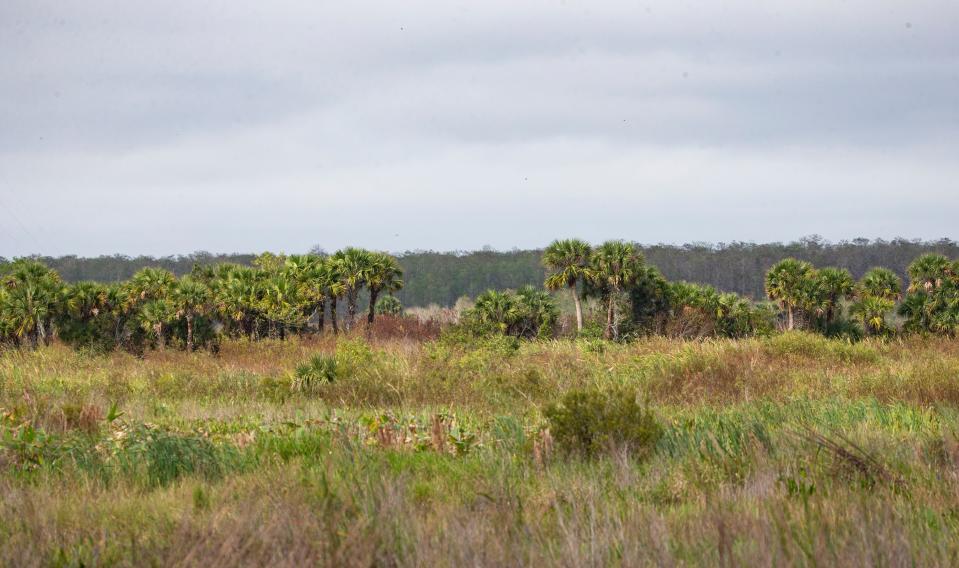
(169, 127)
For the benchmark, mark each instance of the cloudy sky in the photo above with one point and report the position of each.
(168, 127)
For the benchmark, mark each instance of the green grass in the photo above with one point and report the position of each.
(436, 454)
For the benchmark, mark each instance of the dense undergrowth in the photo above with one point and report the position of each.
(792, 449)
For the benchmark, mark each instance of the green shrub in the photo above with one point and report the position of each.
(588, 422)
(389, 305)
(319, 369)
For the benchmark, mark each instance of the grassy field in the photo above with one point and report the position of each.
(789, 450)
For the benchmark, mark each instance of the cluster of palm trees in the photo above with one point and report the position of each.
(828, 300)
(814, 298)
(279, 295)
(616, 273)
(932, 300)
(276, 296)
(607, 271)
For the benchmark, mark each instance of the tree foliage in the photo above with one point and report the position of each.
(274, 296)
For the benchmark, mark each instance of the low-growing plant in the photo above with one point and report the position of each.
(590, 422)
(319, 369)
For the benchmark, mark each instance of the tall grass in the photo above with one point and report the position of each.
(789, 450)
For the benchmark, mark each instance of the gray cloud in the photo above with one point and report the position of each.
(169, 127)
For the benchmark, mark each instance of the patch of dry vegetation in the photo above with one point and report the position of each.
(789, 450)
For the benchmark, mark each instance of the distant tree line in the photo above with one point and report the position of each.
(280, 294)
(443, 277)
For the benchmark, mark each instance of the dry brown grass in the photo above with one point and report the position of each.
(727, 486)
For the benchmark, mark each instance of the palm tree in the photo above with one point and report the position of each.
(352, 264)
(871, 311)
(153, 316)
(786, 282)
(27, 308)
(331, 281)
(539, 312)
(306, 272)
(149, 284)
(929, 272)
(833, 285)
(191, 299)
(84, 300)
(568, 261)
(498, 309)
(278, 304)
(881, 283)
(237, 294)
(919, 310)
(33, 294)
(615, 266)
(877, 293)
(383, 275)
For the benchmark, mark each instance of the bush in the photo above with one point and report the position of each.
(320, 368)
(588, 422)
(527, 314)
(389, 306)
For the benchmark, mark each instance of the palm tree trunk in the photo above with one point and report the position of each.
(789, 317)
(372, 314)
(350, 309)
(321, 313)
(158, 330)
(336, 326)
(579, 309)
(610, 308)
(189, 334)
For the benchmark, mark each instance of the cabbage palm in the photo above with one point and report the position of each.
(539, 312)
(191, 299)
(614, 267)
(84, 300)
(149, 284)
(833, 284)
(281, 305)
(383, 274)
(881, 283)
(928, 272)
(154, 316)
(499, 309)
(352, 264)
(786, 283)
(26, 309)
(332, 283)
(306, 273)
(568, 262)
(33, 294)
(871, 312)
(919, 310)
(237, 295)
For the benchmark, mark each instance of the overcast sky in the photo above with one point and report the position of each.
(168, 127)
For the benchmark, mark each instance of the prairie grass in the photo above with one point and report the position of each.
(788, 450)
